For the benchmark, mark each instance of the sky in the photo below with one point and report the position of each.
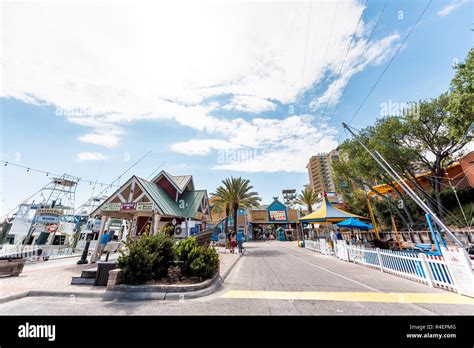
(208, 88)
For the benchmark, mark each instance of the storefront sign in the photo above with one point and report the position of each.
(47, 219)
(145, 206)
(49, 211)
(277, 215)
(111, 207)
(128, 206)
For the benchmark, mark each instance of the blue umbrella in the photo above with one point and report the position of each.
(354, 223)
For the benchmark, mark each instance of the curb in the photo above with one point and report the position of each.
(13, 297)
(123, 295)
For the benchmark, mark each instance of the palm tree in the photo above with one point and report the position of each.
(308, 198)
(233, 194)
(223, 202)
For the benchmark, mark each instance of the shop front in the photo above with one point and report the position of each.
(275, 221)
(167, 203)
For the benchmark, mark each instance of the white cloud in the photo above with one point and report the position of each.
(248, 103)
(154, 60)
(453, 5)
(109, 140)
(201, 147)
(91, 156)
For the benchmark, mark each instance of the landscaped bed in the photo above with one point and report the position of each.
(159, 261)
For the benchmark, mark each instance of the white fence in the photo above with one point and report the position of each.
(426, 269)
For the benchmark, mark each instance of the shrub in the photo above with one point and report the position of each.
(147, 259)
(205, 262)
(195, 260)
(183, 250)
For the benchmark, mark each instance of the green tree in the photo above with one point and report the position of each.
(234, 194)
(427, 137)
(307, 198)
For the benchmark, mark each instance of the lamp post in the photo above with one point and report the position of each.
(83, 259)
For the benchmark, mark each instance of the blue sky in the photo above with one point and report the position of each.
(218, 90)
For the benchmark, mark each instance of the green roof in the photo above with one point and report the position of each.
(192, 200)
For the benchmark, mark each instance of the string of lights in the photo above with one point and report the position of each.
(52, 174)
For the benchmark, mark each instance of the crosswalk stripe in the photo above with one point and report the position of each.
(433, 298)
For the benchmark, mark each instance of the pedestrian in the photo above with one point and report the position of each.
(240, 236)
(233, 242)
(103, 242)
(353, 237)
(333, 237)
(339, 235)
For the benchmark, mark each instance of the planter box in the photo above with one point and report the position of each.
(114, 284)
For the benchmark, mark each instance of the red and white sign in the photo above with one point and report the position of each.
(128, 206)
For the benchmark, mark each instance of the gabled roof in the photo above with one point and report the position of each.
(179, 181)
(164, 202)
(276, 202)
(182, 181)
(166, 205)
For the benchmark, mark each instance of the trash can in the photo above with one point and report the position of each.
(102, 275)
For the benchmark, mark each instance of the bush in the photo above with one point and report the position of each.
(147, 259)
(205, 262)
(183, 250)
(195, 260)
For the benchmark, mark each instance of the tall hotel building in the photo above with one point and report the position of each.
(321, 175)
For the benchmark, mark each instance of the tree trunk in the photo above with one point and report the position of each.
(234, 217)
(226, 223)
(310, 208)
(438, 175)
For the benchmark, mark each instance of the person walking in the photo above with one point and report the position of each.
(233, 242)
(103, 242)
(240, 236)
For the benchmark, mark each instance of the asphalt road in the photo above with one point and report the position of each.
(278, 278)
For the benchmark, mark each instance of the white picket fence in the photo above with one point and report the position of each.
(426, 269)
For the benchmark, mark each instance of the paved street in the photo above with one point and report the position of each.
(278, 278)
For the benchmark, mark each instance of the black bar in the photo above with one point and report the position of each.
(253, 330)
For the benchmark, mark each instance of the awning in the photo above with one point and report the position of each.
(354, 223)
(328, 213)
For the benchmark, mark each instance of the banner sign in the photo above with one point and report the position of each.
(128, 206)
(111, 207)
(46, 219)
(49, 211)
(145, 206)
(277, 215)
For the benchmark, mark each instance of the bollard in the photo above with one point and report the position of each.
(83, 259)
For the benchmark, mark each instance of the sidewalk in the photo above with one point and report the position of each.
(58, 279)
